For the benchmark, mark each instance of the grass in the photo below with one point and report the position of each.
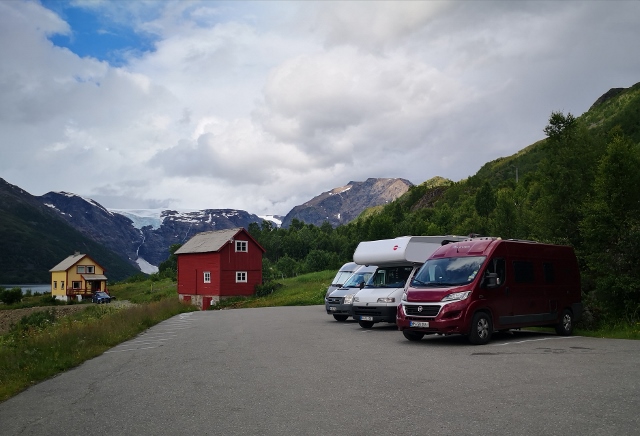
(304, 290)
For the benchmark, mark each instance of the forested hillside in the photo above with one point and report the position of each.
(578, 186)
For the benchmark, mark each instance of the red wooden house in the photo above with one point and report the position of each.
(218, 264)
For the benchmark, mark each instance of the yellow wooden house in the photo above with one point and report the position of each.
(77, 277)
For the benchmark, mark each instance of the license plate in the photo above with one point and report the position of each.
(421, 324)
(332, 308)
(366, 318)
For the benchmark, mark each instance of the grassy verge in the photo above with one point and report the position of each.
(41, 346)
(304, 290)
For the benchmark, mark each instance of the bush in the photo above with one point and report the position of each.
(35, 320)
(267, 288)
(11, 296)
(48, 300)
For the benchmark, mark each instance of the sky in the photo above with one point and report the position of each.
(261, 106)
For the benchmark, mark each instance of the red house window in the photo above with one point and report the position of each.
(241, 277)
(242, 246)
(207, 277)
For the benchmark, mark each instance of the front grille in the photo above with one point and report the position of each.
(335, 300)
(367, 311)
(422, 310)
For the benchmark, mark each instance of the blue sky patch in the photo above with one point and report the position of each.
(96, 35)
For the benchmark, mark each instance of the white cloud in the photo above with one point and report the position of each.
(262, 105)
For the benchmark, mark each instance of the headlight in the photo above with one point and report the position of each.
(356, 299)
(456, 296)
(387, 300)
(404, 296)
(348, 299)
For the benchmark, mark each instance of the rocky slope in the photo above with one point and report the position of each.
(342, 205)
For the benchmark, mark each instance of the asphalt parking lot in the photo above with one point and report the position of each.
(294, 370)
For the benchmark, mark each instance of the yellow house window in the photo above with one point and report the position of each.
(80, 269)
(62, 284)
(90, 269)
(76, 285)
(55, 284)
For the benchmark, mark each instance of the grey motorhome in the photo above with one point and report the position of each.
(342, 275)
(397, 259)
(340, 302)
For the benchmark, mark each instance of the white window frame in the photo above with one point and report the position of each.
(242, 246)
(80, 269)
(55, 284)
(76, 285)
(241, 277)
(206, 276)
(90, 269)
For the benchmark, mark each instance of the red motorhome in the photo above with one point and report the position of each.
(482, 285)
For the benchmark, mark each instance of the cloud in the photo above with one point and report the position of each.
(262, 105)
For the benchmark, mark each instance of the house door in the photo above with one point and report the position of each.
(206, 303)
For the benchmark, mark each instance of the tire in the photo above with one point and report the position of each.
(413, 336)
(341, 318)
(481, 329)
(565, 326)
(366, 324)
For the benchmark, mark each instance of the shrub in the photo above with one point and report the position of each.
(267, 288)
(35, 320)
(11, 296)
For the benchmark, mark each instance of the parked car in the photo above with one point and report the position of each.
(101, 297)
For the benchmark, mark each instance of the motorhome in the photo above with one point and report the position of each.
(397, 259)
(342, 275)
(340, 302)
(483, 285)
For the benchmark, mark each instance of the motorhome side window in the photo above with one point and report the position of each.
(497, 266)
(549, 275)
(523, 272)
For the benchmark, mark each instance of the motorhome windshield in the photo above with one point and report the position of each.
(451, 271)
(356, 279)
(390, 277)
(341, 277)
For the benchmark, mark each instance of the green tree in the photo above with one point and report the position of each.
(611, 229)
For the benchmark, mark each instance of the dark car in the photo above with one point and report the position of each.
(101, 297)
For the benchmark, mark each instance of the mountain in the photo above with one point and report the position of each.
(344, 204)
(114, 231)
(35, 239)
(141, 237)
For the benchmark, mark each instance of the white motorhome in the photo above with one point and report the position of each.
(397, 259)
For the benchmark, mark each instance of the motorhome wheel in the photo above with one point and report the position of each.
(341, 318)
(565, 327)
(480, 333)
(366, 324)
(412, 336)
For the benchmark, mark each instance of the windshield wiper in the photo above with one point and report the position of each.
(440, 284)
(420, 282)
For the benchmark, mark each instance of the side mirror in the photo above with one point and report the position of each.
(361, 285)
(492, 280)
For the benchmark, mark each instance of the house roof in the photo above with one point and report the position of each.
(207, 242)
(68, 262)
(93, 277)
